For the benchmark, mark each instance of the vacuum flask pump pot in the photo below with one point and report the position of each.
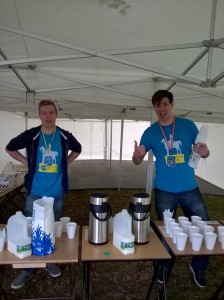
(99, 215)
(139, 210)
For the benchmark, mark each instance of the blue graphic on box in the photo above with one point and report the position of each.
(42, 243)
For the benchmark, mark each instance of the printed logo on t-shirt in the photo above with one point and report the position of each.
(49, 162)
(179, 157)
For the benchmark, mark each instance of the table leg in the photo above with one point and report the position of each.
(2, 292)
(154, 277)
(86, 274)
(72, 273)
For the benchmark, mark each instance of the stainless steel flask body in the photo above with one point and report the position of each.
(140, 212)
(100, 212)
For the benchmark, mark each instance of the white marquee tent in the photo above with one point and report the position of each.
(103, 60)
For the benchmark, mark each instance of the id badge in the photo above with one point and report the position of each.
(171, 161)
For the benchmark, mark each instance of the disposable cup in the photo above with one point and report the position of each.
(196, 241)
(2, 242)
(192, 229)
(201, 224)
(29, 220)
(58, 228)
(171, 225)
(210, 238)
(220, 230)
(194, 220)
(175, 231)
(182, 219)
(186, 225)
(176, 225)
(167, 214)
(65, 220)
(208, 228)
(167, 221)
(71, 229)
(181, 238)
(222, 239)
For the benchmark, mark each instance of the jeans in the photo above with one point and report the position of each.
(191, 203)
(58, 205)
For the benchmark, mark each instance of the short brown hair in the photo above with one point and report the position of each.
(159, 95)
(47, 102)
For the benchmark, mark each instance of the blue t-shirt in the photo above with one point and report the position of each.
(47, 179)
(181, 177)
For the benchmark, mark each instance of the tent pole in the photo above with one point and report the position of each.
(111, 138)
(121, 147)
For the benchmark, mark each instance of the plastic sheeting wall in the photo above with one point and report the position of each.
(91, 135)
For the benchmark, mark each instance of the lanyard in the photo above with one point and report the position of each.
(48, 148)
(169, 144)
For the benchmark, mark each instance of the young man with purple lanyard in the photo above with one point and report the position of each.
(171, 140)
(47, 158)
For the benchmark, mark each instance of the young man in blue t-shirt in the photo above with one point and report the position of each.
(47, 159)
(171, 140)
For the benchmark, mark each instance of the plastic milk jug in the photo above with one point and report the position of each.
(19, 242)
(201, 138)
(123, 239)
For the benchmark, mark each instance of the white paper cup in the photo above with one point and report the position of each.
(171, 225)
(182, 219)
(192, 229)
(2, 242)
(208, 228)
(29, 220)
(58, 228)
(210, 238)
(65, 220)
(196, 241)
(194, 220)
(167, 214)
(186, 225)
(220, 230)
(175, 231)
(222, 239)
(167, 221)
(71, 229)
(176, 225)
(181, 238)
(201, 224)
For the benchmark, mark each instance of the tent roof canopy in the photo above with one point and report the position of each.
(103, 59)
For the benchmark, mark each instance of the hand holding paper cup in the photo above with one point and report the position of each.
(71, 229)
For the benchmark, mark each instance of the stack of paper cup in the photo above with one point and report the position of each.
(186, 225)
(171, 225)
(201, 224)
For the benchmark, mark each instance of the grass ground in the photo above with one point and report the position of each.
(110, 281)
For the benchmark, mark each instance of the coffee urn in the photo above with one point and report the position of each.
(139, 209)
(100, 213)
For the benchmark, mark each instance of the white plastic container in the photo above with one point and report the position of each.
(123, 239)
(201, 138)
(19, 242)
